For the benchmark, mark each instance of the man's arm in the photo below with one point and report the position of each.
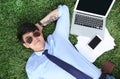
(52, 16)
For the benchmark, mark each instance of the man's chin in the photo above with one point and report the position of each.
(40, 49)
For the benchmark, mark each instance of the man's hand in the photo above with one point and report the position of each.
(107, 67)
(39, 27)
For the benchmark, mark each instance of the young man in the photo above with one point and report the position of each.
(38, 65)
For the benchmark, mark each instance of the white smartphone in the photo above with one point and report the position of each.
(94, 42)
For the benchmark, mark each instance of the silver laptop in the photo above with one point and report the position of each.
(89, 17)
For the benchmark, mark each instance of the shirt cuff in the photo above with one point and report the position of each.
(61, 9)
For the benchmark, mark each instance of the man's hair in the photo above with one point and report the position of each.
(25, 28)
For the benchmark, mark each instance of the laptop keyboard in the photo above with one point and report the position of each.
(88, 21)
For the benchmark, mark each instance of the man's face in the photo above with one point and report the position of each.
(34, 40)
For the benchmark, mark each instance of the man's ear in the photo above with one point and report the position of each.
(26, 45)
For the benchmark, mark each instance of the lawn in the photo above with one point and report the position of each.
(13, 55)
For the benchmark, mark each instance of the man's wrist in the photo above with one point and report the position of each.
(41, 24)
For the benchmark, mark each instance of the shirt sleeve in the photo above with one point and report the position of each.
(63, 23)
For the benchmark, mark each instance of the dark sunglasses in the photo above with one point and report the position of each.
(30, 38)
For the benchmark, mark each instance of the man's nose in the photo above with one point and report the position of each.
(35, 38)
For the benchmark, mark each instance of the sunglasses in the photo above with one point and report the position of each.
(29, 39)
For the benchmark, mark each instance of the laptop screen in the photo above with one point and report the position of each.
(99, 7)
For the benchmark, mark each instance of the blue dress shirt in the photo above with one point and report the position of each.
(58, 44)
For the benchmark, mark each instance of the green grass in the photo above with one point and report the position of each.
(13, 55)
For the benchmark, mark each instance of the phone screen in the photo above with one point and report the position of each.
(94, 42)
